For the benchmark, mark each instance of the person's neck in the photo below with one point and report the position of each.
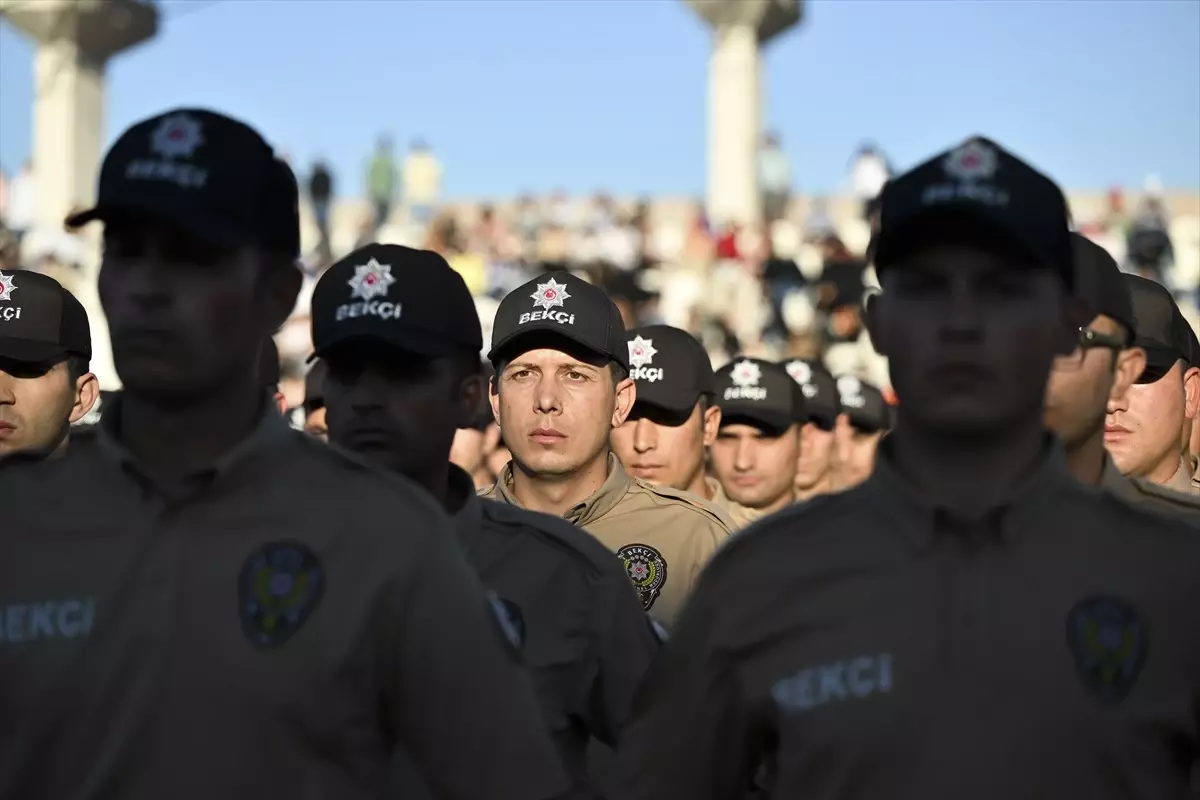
(783, 501)
(174, 439)
(698, 485)
(822, 485)
(966, 475)
(557, 494)
(1085, 459)
(1165, 470)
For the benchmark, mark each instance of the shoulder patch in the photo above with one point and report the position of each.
(647, 569)
(510, 620)
(702, 506)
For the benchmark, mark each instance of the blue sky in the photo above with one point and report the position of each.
(585, 94)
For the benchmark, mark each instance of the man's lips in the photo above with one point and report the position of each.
(745, 480)
(6, 429)
(547, 435)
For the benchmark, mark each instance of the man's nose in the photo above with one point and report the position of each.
(645, 436)
(743, 460)
(546, 398)
(8, 395)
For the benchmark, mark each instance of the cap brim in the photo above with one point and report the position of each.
(406, 341)
(1159, 361)
(908, 233)
(768, 420)
(31, 352)
(666, 397)
(198, 222)
(511, 345)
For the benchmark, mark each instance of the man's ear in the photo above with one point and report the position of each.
(470, 396)
(871, 320)
(1131, 363)
(712, 424)
(626, 393)
(494, 397)
(1191, 389)
(282, 286)
(87, 389)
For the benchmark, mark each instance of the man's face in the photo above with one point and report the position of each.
(756, 469)
(816, 456)
(854, 460)
(185, 317)
(399, 410)
(1081, 384)
(37, 404)
(970, 334)
(1141, 431)
(556, 409)
(314, 424)
(666, 448)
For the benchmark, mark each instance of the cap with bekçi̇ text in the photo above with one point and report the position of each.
(1161, 329)
(819, 388)
(40, 321)
(760, 393)
(670, 366)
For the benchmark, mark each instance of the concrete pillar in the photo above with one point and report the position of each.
(736, 100)
(75, 39)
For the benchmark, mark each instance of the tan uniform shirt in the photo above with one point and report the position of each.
(869, 645)
(1146, 493)
(271, 630)
(1182, 481)
(663, 536)
(740, 514)
(587, 642)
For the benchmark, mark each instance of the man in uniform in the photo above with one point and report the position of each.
(865, 418)
(816, 468)
(398, 331)
(758, 445)
(1142, 432)
(665, 439)
(314, 401)
(1098, 372)
(971, 621)
(231, 609)
(45, 354)
(269, 363)
(561, 385)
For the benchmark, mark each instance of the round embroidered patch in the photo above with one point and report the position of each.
(647, 569)
(280, 585)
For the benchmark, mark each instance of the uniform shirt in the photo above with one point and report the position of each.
(587, 642)
(663, 536)
(868, 645)
(1139, 491)
(1182, 481)
(740, 514)
(271, 629)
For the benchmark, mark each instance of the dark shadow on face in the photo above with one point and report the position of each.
(397, 409)
(184, 317)
(970, 330)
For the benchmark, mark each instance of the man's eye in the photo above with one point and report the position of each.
(576, 376)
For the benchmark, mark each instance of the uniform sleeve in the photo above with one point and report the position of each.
(623, 644)
(459, 699)
(691, 734)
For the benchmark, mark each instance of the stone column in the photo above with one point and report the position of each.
(736, 111)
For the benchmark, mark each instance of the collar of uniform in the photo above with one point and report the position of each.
(468, 518)
(718, 497)
(903, 499)
(1113, 481)
(604, 499)
(1181, 481)
(271, 428)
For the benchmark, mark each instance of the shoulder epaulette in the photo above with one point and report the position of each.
(687, 498)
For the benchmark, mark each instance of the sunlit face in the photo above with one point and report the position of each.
(1081, 384)
(855, 453)
(815, 461)
(1142, 429)
(37, 404)
(556, 410)
(663, 448)
(756, 469)
(970, 334)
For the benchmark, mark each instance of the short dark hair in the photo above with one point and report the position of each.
(77, 367)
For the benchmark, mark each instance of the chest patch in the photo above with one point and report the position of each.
(647, 569)
(281, 584)
(1110, 642)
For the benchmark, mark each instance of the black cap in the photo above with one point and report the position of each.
(314, 387)
(269, 363)
(1161, 328)
(670, 366)
(40, 321)
(1098, 283)
(863, 404)
(410, 299)
(559, 303)
(204, 172)
(982, 184)
(758, 392)
(819, 388)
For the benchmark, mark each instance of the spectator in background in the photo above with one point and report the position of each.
(422, 182)
(869, 172)
(774, 178)
(381, 181)
(1148, 245)
(780, 277)
(840, 294)
(320, 193)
